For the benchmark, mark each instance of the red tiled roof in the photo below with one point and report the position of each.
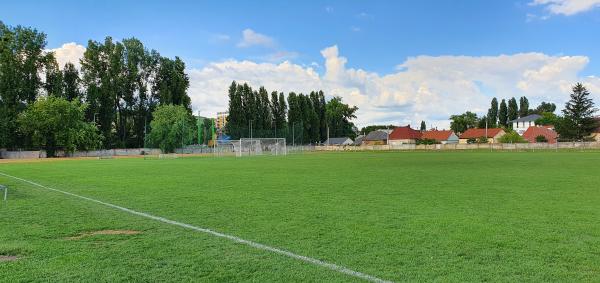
(533, 132)
(404, 133)
(437, 135)
(477, 133)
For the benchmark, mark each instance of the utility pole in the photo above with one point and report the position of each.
(328, 136)
(145, 123)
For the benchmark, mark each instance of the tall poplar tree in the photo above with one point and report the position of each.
(503, 114)
(513, 110)
(492, 115)
(523, 106)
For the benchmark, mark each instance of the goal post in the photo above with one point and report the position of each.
(252, 146)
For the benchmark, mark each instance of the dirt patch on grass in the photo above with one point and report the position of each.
(4, 258)
(104, 232)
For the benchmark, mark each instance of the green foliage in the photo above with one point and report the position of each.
(492, 115)
(523, 106)
(548, 118)
(71, 83)
(503, 114)
(55, 123)
(423, 126)
(545, 107)
(339, 115)
(482, 140)
(20, 82)
(461, 123)
(124, 82)
(472, 140)
(578, 121)
(171, 128)
(427, 141)
(513, 111)
(308, 116)
(482, 123)
(541, 138)
(512, 137)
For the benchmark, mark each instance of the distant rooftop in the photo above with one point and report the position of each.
(528, 118)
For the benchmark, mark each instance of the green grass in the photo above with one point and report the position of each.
(421, 216)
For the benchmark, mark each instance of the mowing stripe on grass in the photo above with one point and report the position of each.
(311, 260)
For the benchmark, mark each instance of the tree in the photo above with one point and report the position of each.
(366, 130)
(523, 106)
(578, 122)
(461, 123)
(171, 127)
(541, 138)
(71, 83)
(483, 122)
(22, 60)
(172, 82)
(237, 117)
(503, 114)
(547, 118)
(492, 115)
(55, 123)
(513, 110)
(545, 107)
(423, 126)
(54, 79)
(339, 116)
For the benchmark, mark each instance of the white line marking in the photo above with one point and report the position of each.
(259, 246)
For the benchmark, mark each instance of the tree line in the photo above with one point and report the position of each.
(118, 87)
(576, 122)
(298, 117)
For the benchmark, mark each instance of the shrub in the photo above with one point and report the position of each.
(541, 138)
(512, 137)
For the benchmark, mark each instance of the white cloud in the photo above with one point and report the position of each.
(567, 7)
(252, 38)
(69, 52)
(424, 88)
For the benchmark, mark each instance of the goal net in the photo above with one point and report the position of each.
(248, 147)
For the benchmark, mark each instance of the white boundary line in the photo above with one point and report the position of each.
(259, 246)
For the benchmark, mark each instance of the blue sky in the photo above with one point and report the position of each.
(372, 37)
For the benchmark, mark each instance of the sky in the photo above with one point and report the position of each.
(400, 62)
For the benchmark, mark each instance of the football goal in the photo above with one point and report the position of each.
(248, 147)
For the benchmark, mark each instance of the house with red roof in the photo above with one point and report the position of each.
(596, 132)
(492, 135)
(443, 137)
(404, 135)
(533, 132)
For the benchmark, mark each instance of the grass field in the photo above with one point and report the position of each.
(455, 216)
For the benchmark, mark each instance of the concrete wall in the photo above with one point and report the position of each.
(461, 146)
(22, 154)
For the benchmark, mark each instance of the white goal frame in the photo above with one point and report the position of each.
(251, 146)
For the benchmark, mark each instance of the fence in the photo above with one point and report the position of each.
(488, 146)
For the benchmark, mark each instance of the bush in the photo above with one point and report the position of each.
(471, 141)
(482, 140)
(541, 138)
(512, 137)
(427, 141)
